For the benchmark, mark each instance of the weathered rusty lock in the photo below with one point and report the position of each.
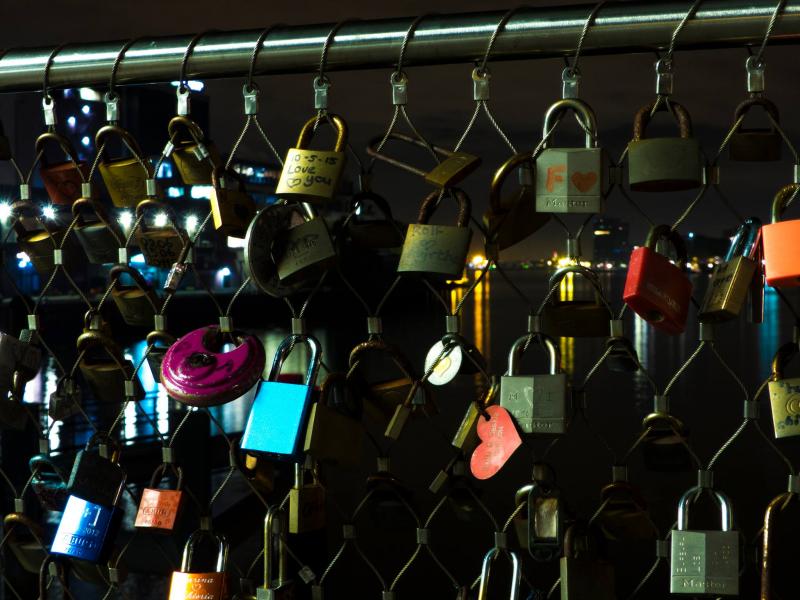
(159, 508)
(373, 234)
(664, 164)
(784, 393)
(513, 217)
(61, 180)
(160, 341)
(584, 574)
(41, 242)
(571, 180)
(137, 303)
(757, 144)
(664, 444)
(313, 175)
(100, 238)
(781, 241)
(439, 250)
(330, 434)
(195, 157)
(565, 317)
(105, 368)
(232, 208)
(189, 584)
(125, 177)
(160, 245)
(449, 172)
(26, 538)
(303, 250)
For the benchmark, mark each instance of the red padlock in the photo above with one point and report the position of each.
(782, 242)
(61, 180)
(657, 290)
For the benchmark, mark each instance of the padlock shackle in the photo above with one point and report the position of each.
(777, 504)
(139, 282)
(376, 199)
(37, 461)
(310, 127)
(500, 176)
(746, 239)
(726, 512)
(50, 137)
(431, 203)
(153, 204)
(372, 150)
(102, 437)
(782, 358)
(101, 139)
(518, 348)
(274, 526)
(27, 209)
(192, 128)
(188, 550)
(92, 338)
(158, 475)
(642, 118)
(160, 337)
(82, 204)
(584, 113)
(328, 385)
(15, 519)
(768, 105)
(665, 232)
(285, 348)
(579, 528)
(483, 589)
(379, 345)
(782, 198)
(590, 275)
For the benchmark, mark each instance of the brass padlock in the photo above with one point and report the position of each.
(137, 303)
(40, 242)
(447, 173)
(160, 245)
(584, 575)
(466, 436)
(100, 238)
(512, 218)
(313, 175)
(372, 234)
(125, 178)
(564, 317)
(276, 586)
(61, 180)
(105, 368)
(571, 180)
(439, 250)
(232, 208)
(784, 393)
(330, 434)
(26, 538)
(757, 144)
(188, 584)
(306, 502)
(195, 157)
(304, 250)
(665, 164)
(160, 342)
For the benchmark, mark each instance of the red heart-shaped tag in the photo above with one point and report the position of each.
(584, 181)
(499, 440)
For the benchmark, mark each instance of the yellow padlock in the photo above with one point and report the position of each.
(125, 177)
(195, 157)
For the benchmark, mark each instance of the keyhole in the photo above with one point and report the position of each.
(201, 359)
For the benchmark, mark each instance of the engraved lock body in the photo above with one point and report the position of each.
(330, 434)
(516, 574)
(758, 143)
(664, 445)
(125, 177)
(575, 318)
(657, 290)
(232, 208)
(306, 502)
(26, 538)
(194, 156)
(512, 217)
(198, 372)
(664, 164)
(380, 233)
(538, 403)
(704, 562)
(105, 368)
(313, 175)
(303, 250)
(584, 575)
(732, 279)
(276, 585)
(159, 508)
(49, 482)
(62, 180)
(100, 237)
(781, 241)
(439, 250)
(277, 421)
(137, 303)
(571, 180)
(190, 584)
(161, 245)
(784, 393)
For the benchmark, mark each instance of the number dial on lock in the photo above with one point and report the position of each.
(445, 371)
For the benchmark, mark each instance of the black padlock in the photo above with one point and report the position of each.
(622, 357)
(48, 482)
(757, 144)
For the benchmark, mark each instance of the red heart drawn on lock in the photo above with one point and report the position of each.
(584, 181)
(499, 440)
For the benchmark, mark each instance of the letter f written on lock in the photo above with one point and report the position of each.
(554, 176)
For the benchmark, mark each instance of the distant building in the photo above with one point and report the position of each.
(611, 240)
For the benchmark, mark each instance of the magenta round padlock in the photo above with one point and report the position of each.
(196, 372)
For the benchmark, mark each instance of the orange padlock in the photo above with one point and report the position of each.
(159, 508)
(782, 242)
(210, 585)
(61, 180)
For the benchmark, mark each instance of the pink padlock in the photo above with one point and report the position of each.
(195, 371)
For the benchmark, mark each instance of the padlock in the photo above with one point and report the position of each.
(304, 250)
(313, 175)
(704, 562)
(232, 208)
(373, 234)
(125, 178)
(538, 403)
(732, 279)
(768, 579)
(61, 180)
(197, 372)
(306, 502)
(330, 434)
(513, 217)
(665, 164)
(541, 530)
(105, 368)
(13, 414)
(160, 245)
(96, 477)
(159, 508)
(624, 516)
(664, 445)
(39, 240)
(584, 575)
(784, 394)
(17, 355)
(100, 238)
(276, 586)
(66, 400)
(195, 157)
(48, 482)
(277, 421)
(756, 144)
(188, 584)
(466, 436)
(576, 318)
(437, 249)
(655, 289)
(160, 342)
(137, 303)
(516, 574)
(622, 357)
(781, 240)
(571, 180)
(447, 173)
(26, 540)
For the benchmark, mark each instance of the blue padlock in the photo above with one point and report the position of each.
(277, 423)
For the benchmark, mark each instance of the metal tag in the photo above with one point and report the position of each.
(447, 367)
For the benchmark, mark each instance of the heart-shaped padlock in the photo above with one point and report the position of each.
(196, 371)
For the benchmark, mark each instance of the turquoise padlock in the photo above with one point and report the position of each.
(277, 422)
